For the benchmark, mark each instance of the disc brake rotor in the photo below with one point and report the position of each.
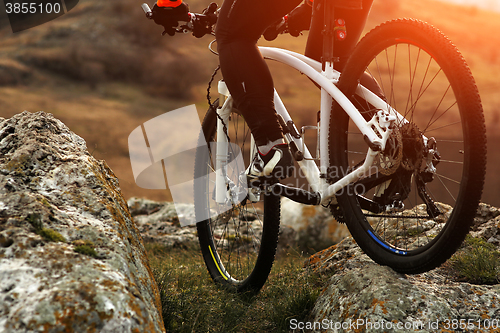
(389, 160)
(413, 147)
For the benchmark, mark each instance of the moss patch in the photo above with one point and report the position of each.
(86, 248)
(35, 220)
(51, 235)
(477, 262)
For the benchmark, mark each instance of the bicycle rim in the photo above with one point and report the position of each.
(238, 241)
(425, 213)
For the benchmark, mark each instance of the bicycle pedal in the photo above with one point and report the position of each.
(254, 194)
(258, 185)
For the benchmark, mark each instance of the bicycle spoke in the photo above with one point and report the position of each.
(421, 90)
(444, 126)
(448, 161)
(437, 108)
(447, 178)
(421, 93)
(447, 189)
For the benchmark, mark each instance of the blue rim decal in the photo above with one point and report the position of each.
(384, 245)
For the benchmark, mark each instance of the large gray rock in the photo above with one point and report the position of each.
(487, 224)
(362, 296)
(158, 222)
(94, 279)
(307, 228)
(314, 226)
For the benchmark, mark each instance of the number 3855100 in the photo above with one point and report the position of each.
(32, 8)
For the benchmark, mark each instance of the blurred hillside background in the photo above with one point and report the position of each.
(103, 69)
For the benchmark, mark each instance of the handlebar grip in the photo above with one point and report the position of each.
(147, 10)
(212, 8)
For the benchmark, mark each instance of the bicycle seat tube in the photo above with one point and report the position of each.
(353, 12)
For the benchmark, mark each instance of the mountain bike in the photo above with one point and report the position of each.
(404, 170)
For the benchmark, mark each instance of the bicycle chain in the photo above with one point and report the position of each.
(431, 207)
(210, 85)
(337, 213)
(212, 106)
(335, 208)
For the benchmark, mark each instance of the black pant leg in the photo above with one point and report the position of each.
(248, 79)
(240, 25)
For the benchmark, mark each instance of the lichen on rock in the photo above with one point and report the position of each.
(49, 181)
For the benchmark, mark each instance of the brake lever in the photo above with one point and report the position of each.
(210, 12)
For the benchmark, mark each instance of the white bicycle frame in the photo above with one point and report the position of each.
(376, 131)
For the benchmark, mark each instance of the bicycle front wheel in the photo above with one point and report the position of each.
(415, 208)
(238, 238)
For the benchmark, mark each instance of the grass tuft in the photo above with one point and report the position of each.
(477, 262)
(192, 302)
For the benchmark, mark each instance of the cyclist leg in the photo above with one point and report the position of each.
(240, 25)
(251, 85)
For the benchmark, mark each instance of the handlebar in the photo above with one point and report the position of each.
(147, 10)
(198, 24)
(201, 24)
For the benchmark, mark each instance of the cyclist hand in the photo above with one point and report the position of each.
(299, 19)
(201, 27)
(169, 17)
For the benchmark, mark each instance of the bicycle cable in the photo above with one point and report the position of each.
(211, 49)
(212, 106)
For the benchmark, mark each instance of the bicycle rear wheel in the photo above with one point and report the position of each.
(238, 240)
(414, 211)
